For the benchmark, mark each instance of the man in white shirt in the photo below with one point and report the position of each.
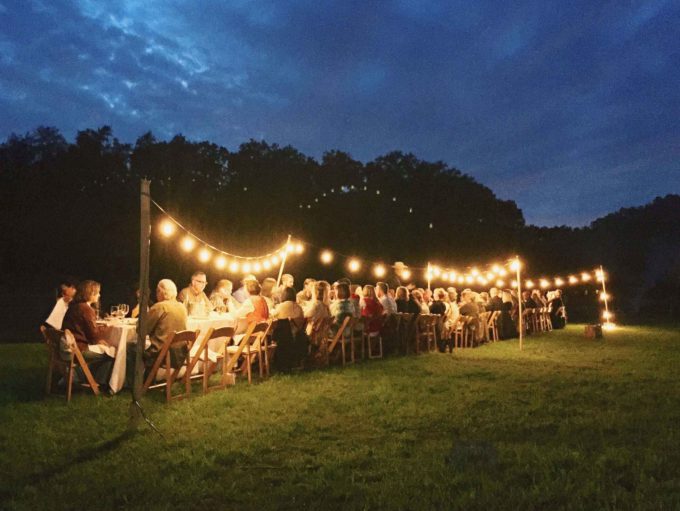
(67, 290)
(388, 303)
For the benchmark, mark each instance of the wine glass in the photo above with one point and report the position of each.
(124, 309)
(114, 311)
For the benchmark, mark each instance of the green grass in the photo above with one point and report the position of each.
(568, 423)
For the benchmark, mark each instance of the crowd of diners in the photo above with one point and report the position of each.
(255, 301)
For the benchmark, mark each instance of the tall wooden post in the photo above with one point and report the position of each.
(283, 262)
(144, 246)
(429, 276)
(519, 297)
(605, 298)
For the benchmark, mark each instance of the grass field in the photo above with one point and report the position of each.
(566, 424)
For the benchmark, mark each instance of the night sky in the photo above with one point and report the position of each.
(572, 109)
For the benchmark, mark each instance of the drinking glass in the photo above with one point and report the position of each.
(114, 311)
(124, 309)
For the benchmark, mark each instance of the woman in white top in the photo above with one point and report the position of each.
(318, 307)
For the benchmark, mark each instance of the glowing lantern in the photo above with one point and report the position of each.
(354, 265)
(204, 255)
(167, 228)
(188, 244)
(326, 257)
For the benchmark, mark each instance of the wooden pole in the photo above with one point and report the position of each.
(519, 312)
(429, 276)
(283, 263)
(144, 246)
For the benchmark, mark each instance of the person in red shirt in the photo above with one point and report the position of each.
(372, 311)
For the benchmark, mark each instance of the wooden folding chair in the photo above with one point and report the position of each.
(183, 338)
(368, 339)
(215, 341)
(249, 348)
(339, 337)
(65, 364)
(492, 326)
(464, 333)
(406, 331)
(426, 331)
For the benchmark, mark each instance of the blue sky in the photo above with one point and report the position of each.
(572, 109)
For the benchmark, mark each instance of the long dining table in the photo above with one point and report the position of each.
(118, 333)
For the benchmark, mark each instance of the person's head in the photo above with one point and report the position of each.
(198, 282)
(320, 291)
(166, 290)
(484, 297)
(342, 291)
(381, 289)
(453, 294)
(558, 293)
(439, 294)
(66, 289)
(287, 280)
(467, 296)
(507, 296)
(369, 291)
(493, 292)
(417, 295)
(253, 287)
(224, 287)
(288, 294)
(427, 295)
(526, 295)
(88, 291)
(402, 293)
(355, 289)
(345, 280)
(309, 284)
(268, 286)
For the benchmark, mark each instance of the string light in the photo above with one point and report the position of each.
(572, 279)
(204, 255)
(299, 248)
(515, 265)
(354, 265)
(585, 277)
(559, 282)
(326, 257)
(544, 283)
(257, 267)
(406, 274)
(604, 296)
(379, 271)
(220, 262)
(245, 267)
(234, 267)
(168, 228)
(529, 284)
(266, 264)
(188, 244)
(500, 283)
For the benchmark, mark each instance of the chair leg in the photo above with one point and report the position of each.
(48, 386)
(69, 383)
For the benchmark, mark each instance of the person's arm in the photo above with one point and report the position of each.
(246, 308)
(90, 329)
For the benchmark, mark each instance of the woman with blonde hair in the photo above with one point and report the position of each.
(371, 310)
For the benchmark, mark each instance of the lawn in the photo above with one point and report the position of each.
(567, 423)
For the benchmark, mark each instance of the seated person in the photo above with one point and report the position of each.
(558, 314)
(221, 298)
(254, 308)
(343, 306)
(267, 292)
(80, 319)
(402, 299)
(305, 295)
(317, 308)
(289, 309)
(495, 302)
(372, 311)
(418, 303)
(388, 303)
(65, 294)
(527, 301)
(165, 317)
(194, 298)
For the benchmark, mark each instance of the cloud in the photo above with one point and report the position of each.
(567, 108)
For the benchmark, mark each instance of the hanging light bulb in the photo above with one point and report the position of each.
(599, 274)
(354, 265)
(490, 275)
(469, 279)
(275, 260)
(445, 276)
(529, 284)
(502, 272)
(515, 265)
(604, 296)
(544, 283)
(234, 267)
(607, 315)
(204, 255)
(257, 267)
(379, 271)
(461, 279)
(220, 262)
(266, 264)
(513, 284)
(495, 268)
(474, 272)
(246, 267)
(406, 274)
(436, 271)
(289, 248)
(559, 282)
(572, 279)
(167, 228)
(500, 283)
(299, 248)
(585, 277)
(326, 257)
(188, 243)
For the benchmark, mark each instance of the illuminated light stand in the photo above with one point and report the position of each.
(516, 266)
(608, 325)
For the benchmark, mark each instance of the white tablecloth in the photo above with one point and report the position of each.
(119, 334)
(215, 320)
